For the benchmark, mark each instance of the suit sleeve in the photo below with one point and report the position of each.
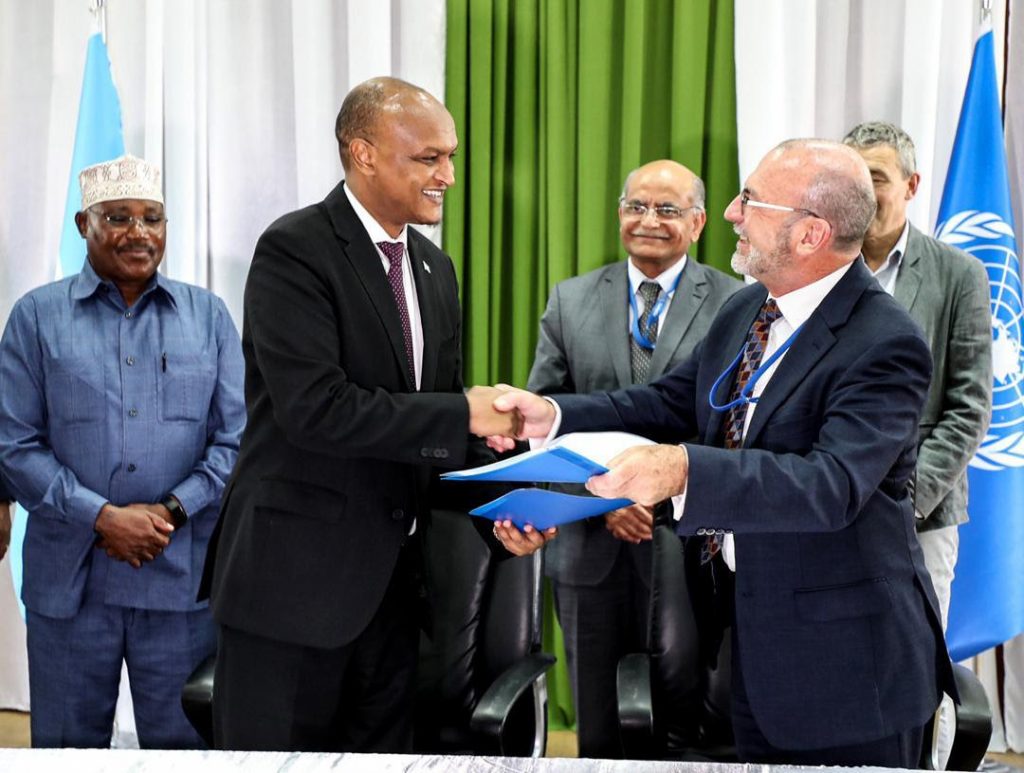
(298, 349)
(550, 373)
(664, 410)
(869, 422)
(967, 397)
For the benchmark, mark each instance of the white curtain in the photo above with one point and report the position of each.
(819, 67)
(237, 100)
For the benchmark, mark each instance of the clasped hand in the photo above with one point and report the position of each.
(136, 533)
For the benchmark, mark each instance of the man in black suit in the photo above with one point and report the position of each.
(352, 345)
(805, 396)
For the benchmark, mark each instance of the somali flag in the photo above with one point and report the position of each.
(987, 605)
(98, 137)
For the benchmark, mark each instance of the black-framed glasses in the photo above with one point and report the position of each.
(637, 209)
(746, 201)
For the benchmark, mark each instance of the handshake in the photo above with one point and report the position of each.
(504, 414)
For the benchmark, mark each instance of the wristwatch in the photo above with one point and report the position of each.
(178, 515)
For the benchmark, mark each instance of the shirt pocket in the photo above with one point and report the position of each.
(187, 380)
(75, 392)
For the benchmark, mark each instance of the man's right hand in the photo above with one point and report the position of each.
(538, 416)
(132, 533)
(631, 524)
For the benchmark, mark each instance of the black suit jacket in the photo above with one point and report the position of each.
(837, 625)
(337, 458)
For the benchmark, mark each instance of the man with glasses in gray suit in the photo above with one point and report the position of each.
(626, 323)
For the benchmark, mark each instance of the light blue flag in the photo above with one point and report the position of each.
(987, 606)
(98, 137)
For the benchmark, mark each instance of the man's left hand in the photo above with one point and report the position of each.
(525, 542)
(645, 474)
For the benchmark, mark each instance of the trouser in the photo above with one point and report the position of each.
(276, 696)
(75, 672)
(601, 623)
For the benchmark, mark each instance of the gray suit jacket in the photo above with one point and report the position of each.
(946, 292)
(584, 347)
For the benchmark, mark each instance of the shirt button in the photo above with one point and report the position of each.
(132, 467)
(129, 360)
(128, 315)
(397, 515)
(133, 412)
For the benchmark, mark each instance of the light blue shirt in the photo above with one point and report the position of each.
(100, 402)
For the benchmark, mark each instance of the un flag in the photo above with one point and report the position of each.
(987, 605)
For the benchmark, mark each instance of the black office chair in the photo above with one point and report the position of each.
(481, 685)
(973, 726)
(673, 699)
(673, 705)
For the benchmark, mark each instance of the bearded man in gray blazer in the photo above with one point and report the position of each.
(623, 324)
(946, 292)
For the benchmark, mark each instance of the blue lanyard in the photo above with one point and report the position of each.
(652, 319)
(748, 388)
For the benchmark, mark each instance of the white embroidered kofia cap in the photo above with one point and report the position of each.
(126, 177)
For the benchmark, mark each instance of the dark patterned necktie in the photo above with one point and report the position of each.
(394, 251)
(639, 356)
(753, 353)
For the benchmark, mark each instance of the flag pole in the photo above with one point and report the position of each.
(98, 8)
(986, 9)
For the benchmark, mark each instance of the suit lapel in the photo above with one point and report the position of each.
(816, 337)
(908, 280)
(683, 310)
(362, 255)
(614, 292)
(426, 294)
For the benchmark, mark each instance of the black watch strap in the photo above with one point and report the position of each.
(178, 515)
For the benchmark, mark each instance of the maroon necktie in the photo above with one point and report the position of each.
(753, 353)
(394, 252)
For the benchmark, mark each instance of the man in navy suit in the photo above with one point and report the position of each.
(813, 380)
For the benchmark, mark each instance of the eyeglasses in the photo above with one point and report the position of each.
(151, 223)
(746, 201)
(639, 210)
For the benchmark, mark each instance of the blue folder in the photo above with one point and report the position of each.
(543, 509)
(556, 464)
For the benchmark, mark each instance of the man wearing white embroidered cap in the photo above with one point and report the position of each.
(120, 416)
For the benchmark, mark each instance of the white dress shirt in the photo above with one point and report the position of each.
(666, 279)
(378, 234)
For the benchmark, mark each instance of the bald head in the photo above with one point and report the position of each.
(370, 102)
(671, 173)
(833, 182)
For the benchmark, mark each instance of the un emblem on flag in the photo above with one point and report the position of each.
(990, 239)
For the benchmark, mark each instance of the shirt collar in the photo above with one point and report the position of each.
(373, 228)
(666, 278)
(87, 282)
(798, 305)
(895, 257)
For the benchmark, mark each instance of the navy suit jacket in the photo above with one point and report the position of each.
(839, 638)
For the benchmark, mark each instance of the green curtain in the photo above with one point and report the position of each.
(555, 101)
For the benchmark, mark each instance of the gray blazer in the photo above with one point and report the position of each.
(584, 347)
(946, 292)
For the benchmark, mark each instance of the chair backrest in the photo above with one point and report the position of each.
(690, 685)
(485, 618)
